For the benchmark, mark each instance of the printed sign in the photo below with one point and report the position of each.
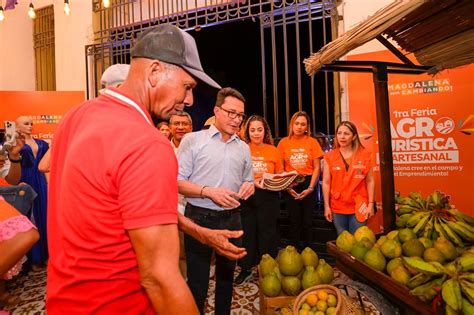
(45, 109)
(432, 126)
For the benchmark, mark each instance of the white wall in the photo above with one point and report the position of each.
(17, 63)
(72, 33)
(353, 12)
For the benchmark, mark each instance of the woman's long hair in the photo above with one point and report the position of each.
(292, 122)
(267, 138)
(356, 144)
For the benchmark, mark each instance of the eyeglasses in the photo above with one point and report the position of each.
(233, 115)
(181, 123)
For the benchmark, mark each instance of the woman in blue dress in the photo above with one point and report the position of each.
(31, 155)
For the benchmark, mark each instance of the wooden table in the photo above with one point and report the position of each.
(392, 290)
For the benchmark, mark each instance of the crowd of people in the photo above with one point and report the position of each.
(136, 212)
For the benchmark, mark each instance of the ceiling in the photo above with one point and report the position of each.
(439, 33)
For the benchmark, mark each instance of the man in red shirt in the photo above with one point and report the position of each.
(112, 224)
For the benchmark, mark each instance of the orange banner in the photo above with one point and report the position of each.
(432, 126)
(45, 109)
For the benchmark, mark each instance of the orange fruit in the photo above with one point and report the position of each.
(312, 299)
(322, 295)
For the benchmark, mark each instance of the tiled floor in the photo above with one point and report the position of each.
(31, 289)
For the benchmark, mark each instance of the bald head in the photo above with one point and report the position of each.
(162, 88)
(24, 124)
(22, 118)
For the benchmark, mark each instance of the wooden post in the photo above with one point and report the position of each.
(385, 145)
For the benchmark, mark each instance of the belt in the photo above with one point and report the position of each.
(211, 212)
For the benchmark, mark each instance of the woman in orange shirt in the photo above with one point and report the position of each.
(348, 181)
(302, 153)
(260, 212)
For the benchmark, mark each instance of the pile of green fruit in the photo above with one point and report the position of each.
(433, 217)
(293, 272)
(428, 267)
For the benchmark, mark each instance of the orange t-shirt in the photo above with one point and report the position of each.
(265, 159)
(7, 211)
(347, 185)
(299, 154)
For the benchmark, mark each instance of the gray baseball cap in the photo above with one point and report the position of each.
(172, 45)
(114, 75)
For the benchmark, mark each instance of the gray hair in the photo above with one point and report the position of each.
(182, 114)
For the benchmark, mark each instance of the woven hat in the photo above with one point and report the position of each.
(210, 121)
(172, 45)
(279, 182)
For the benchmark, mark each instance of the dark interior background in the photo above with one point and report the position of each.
(231, 54)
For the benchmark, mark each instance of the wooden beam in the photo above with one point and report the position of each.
(380, 77)
(394, 50)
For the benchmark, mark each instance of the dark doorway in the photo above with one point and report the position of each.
(231, 54)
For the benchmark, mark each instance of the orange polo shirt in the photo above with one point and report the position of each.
(265, 159)
(346, 185)
(299, 154)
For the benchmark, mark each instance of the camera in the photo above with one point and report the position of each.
(8, 136)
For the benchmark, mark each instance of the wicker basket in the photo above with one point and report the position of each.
(329, 289)
(351, 306)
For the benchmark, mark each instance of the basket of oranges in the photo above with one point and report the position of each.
(320, 300)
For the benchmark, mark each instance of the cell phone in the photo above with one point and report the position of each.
(9, 136)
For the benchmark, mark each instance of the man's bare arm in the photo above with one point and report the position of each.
(224, 197)
(217, 239)
(157, 249)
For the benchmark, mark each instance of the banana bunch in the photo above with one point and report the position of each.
(428, 268)
(437, 200)
(427, 291)
(433, 217)
(414, 202)
(458, 291)
(454, 281)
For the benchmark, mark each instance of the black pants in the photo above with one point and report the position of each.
(198, 258)
(259, 221)
(301, 215)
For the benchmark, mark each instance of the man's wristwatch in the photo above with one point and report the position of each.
(310, 188)
(15, 161)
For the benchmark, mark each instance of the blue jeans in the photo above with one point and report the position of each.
(21, 197)
(346, 222)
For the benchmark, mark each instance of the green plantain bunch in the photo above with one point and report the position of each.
(433, 217)
(455, 281)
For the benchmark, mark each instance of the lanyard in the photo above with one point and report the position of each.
(129, 102)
